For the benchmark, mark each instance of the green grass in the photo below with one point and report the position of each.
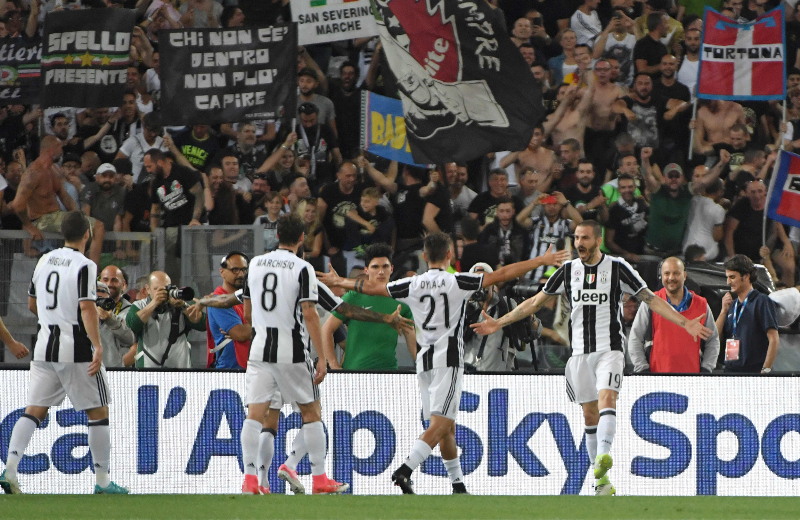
(52, 507)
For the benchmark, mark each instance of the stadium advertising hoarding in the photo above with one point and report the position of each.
(179, 432)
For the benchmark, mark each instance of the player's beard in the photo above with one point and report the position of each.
(586, 253)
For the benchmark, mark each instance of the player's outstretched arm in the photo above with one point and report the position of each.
(91, 324)
(315, 332)
(218, 301)
(694, 327)
(523, 310)
(331, 324)
(332, 279)
(512, 271)
(394, 320)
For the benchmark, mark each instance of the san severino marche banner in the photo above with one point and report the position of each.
(85, 57)
(320, 21)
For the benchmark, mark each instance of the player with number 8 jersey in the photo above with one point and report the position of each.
(280, 300)
(437, 300)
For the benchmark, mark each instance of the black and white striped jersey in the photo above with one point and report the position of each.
(277, 283)
(438, 302)
(327, 300)
(543, 235)
(595, 293)
(62, 279)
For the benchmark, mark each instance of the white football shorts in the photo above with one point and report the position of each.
(440, 389)
(587, 374)
(50, 382)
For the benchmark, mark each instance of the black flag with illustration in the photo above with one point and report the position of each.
(465, 88)
(85, 57)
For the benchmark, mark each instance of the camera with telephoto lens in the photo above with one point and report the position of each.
(180, 293)
(107, 304)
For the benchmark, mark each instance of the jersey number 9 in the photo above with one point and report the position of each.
(52, 288)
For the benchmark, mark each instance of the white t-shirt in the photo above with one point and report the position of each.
(704, 214)
(687, 74)
(134, 149)
(787, 305)
(586, 27)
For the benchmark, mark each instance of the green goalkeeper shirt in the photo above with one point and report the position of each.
(371, 346)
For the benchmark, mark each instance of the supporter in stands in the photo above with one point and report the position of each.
(528, 188)
(674, 32)
(249, 154)
(687, 74)
(670, 200)
(749, 325)
(317, 142)
(616, 42)
(585, 196)
(274, 206)
(104, 199)
(334, 202)
(134, 82)
(484, 206)
(377, 227)
(521, 32)
(535, 156)
(313, 235)
(675, 126)
(704, 227)
(571, 123)
(347, 104)
(603, 119)
(626, 226)
(473, 251)
(643, 111)
(460, 195)
(505, 235)
(220, 200)
(714, 122)
(197, 145)
(74, 179)
(628, 165)
(568, 164)
(232, 173)
(8, 217)
(564, 64)
(586, 23)
(649, 50)
(307, 83)
(135, 146)
(694, 253)
(251, 204)
(673, 350)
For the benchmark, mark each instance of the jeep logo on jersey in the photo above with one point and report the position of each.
(589, 296)
(590, 278)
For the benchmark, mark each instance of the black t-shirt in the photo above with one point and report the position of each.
(477, 252)
(339, 204)
(12, 136)
(10, 221)
(629, 224)
(577, 197)
(485, 205)
(226, 211)
(248, 162)
(197, 151)
(441, 199)
(348, 121)
(409, 207)
(177, 202)
(137, 203)
(644, 129)
(748, 234)
(322, 140)
(678, 129)
(106, 148)
(650, 50)
(358, 235)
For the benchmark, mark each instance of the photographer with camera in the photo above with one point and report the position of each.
(161, 322)
(496, 352)
(115, 335)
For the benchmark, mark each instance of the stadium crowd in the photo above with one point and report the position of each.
(617, 80)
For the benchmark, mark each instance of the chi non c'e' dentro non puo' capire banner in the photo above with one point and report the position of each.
(85, 57)
(742, 61)
(211, 76)
(383, 128)
(20, 67)
(320, 21)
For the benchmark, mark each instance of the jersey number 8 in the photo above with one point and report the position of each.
(269, 285)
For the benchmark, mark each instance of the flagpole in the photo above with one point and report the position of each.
(769, 195)
(694, 118)
(783, 120)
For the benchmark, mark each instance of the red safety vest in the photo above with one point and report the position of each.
(674, 350)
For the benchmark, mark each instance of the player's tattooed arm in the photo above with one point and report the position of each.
(395, 320)
(646, 296)
(694, 327)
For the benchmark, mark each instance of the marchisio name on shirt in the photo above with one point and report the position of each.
(283, 264)
(590, 297)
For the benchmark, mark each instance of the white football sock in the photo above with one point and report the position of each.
(251, 429)
(591, 443)
(100, 448)
(419, 452)
(266, 449)
(606, 429)
(453, 468)
(314, 436)
(20, 437)
(298, 451)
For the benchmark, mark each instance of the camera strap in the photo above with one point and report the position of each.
(174, 334)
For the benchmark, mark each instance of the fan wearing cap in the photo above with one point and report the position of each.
(317, 144)
(307, 84)
(670, 201)
(104, 199)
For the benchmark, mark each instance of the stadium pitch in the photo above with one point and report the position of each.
(55, 507)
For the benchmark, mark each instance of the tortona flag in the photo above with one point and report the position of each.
(742, 61)
(783, 203)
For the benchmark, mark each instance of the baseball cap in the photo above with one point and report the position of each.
(308, 108)
(105, 167)
(550, 199)
(71, 157)
(673, 167)
(481, 265)
(308, 71)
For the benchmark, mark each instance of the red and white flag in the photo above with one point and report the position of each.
(742, 61)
